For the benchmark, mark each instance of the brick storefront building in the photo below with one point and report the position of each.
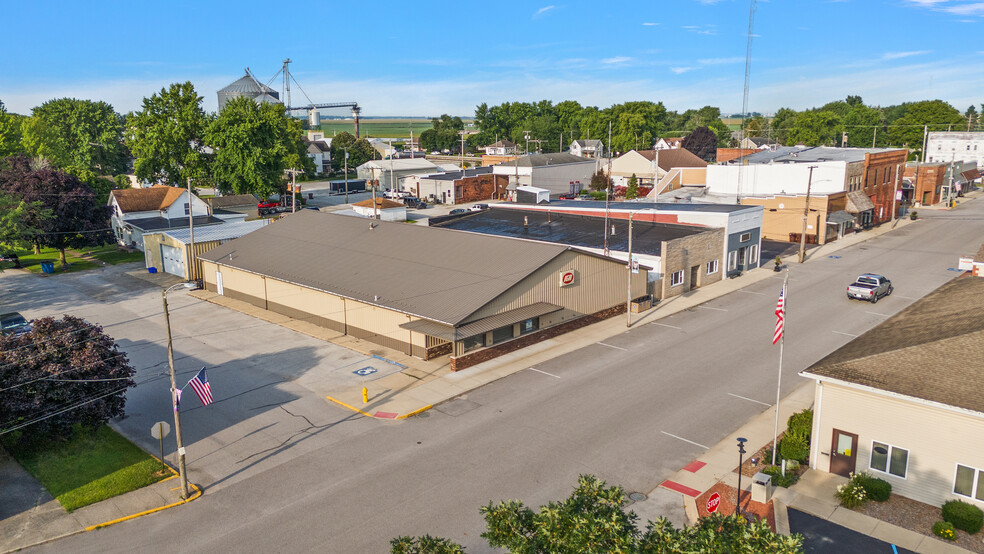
(458, 187)
(882, 177)
(926, 180)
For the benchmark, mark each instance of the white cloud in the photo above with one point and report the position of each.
(955, 7)
(543, 10)
(721, 61)
(616, 59)
(900, 55)
(681, 70)
(650, 24)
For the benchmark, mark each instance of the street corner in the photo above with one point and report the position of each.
(160, 496)
(723, 499)
(366, 403)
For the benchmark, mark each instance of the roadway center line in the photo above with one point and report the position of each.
(665, 325)
(685, 440)
(876, 313)
(615, 347)
(712, 308)
(749, 399)
(544, 372)
(840, 333)
(752, 292)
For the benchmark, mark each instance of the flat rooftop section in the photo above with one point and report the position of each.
(637, 206)
(797, 154)
(573, 230)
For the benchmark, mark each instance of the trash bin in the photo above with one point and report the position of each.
(48, 267)
(151, 270)
(761, 487)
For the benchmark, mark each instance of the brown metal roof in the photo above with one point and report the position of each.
(381, 203)
(157, 197)
(437, 274)
(932, 350)
(675, 157)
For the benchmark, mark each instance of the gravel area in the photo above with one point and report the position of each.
(918, 517)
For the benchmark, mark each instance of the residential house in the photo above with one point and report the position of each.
(590, 148)
(903, 403)
(663, 170)
(501, 148)
(139, 211)
(320, 154)
(458, 187)
(560, 173)
(668, 143)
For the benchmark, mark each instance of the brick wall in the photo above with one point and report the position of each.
(474, 358)
(683, 253)
(882, 177)
(479, 187)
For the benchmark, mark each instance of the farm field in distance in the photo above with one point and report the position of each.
(381, 128)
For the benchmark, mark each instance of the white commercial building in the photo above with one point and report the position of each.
(950, 147)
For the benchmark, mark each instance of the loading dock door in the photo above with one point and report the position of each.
(173, 261)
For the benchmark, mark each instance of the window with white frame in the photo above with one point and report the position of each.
(712, 267)
(889, 459)
(745, 237)
(753, 254)
(676, 278)
(969, 482)
(732, 260)
(187, 208)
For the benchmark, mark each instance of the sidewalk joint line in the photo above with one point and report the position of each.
(749, 399)
(615, 347)
(685, 440)
(842, 333)
(876, 313)
(543, 372)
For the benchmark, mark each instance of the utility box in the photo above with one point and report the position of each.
(761, 487)
(641, 304)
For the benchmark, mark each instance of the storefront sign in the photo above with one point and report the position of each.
(567, 278)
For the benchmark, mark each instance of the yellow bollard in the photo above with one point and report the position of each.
(365, 395)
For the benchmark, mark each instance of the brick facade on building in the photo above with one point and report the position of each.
(479, 188)
(882, 177)
(468, 360)
(927, 178)
(686, 253)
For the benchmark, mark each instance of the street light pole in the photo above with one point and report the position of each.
(346, 174)
(741, 457)
(806, 216)
(174, 391)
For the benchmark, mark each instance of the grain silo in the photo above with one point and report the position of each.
(248, 86)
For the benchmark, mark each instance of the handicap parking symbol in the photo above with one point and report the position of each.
(368, 370)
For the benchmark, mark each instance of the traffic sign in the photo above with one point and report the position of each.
(713, 502)
(160, 430)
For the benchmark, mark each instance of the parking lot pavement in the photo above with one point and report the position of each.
(821, 536)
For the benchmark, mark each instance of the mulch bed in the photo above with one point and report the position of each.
(727, 507)
(756, 462)
(918, 517)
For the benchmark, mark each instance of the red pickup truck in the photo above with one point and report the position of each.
(265, 207)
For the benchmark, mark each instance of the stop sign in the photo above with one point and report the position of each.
(713, 502)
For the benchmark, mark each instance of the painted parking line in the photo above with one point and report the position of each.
(749, 399)
(712, 308)
(543, 372)
(685, 440)
(847, 334)
(665, 325)
(753, 292)
(876, 313)
(615, 347)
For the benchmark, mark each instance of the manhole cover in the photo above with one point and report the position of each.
(636, 496)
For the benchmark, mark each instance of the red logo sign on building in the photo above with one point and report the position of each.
(713, 502)
(567, 278)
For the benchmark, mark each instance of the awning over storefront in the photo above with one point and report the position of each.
(480, 326)
(857, 202)
(839, 217)
(972, 174)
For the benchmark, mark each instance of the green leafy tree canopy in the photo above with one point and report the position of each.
(167, 136)
(82, 137)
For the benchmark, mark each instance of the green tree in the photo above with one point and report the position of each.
(936, 115)
(64, 208)
(359, 150)
(67, 363)
(632, 190)
(167, 137)
(10, 133)
(860, 123)
(600, 181)
(18, 219)
(817, 128)
(591, 520)
(447, 123)
(254, 144)
(702, 142)
(973, 120)
(87, 136)
(782, 125)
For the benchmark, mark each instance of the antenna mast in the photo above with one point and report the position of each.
(744, 99)
(286, 98)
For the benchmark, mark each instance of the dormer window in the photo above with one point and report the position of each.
(187, 208)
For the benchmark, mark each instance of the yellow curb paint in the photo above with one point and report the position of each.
(349, 407)
(168, 478)
(198, 492)
(415, 412)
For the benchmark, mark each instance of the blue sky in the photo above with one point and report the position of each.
(427, 58)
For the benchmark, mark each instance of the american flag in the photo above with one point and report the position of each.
(780, 315)
(200, 384)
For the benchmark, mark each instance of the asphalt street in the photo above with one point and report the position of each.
(283, 470)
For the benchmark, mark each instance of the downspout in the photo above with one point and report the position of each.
(815, 447)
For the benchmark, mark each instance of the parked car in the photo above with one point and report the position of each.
(414, 202)
(459, 211)
(395, 194)
(11, 257)
(12, 323)
(478, 207)
(869, 287)
(568, 196)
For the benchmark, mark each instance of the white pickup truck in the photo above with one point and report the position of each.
(869, 287)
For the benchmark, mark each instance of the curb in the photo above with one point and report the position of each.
(198, 493)
(381, 415)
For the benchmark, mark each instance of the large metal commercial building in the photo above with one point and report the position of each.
(424, 291)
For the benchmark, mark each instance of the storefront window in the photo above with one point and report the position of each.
(528, 326)
(471, 343)
(502, 334)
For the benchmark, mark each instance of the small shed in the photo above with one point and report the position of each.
(532, 195)
(385, 210)
(170, 251)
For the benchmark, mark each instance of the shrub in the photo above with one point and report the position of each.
(852, 494)
(801, 423)
(944, 529)
(780, 480)
(794, 447)
(877, 489)
(913, 215)
(963, 516)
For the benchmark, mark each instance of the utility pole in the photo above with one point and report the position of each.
(293, 191)
(174, 398)
(628, 299)
(895, 188)
(527, 135)
(873, 137)
(925, 137)
(806, 215)
(608, 184)
(191, 234)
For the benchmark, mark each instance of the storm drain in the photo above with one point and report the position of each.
(636, 496)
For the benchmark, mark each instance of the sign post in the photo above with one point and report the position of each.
(159, 431)
(713, 502)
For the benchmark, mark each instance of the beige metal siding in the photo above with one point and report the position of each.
(378, 325)
(599, 284)
(209, 270)
(937, 439)
(241, 285)
(306, 304)
(153, 244)
(200, 248)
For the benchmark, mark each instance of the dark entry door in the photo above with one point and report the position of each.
(694, 276)
(843, 453)
(741, 258)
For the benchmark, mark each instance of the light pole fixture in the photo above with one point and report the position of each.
(174, 389)
(741, 456)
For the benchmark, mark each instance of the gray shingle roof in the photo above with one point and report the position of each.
(436, 274)
(932, 350)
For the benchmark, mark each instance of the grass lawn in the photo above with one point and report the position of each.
(32, 262)
(89, 467)
(112, 255)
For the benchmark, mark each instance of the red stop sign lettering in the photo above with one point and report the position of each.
(713, 502)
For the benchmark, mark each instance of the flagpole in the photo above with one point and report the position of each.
(782, 341)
